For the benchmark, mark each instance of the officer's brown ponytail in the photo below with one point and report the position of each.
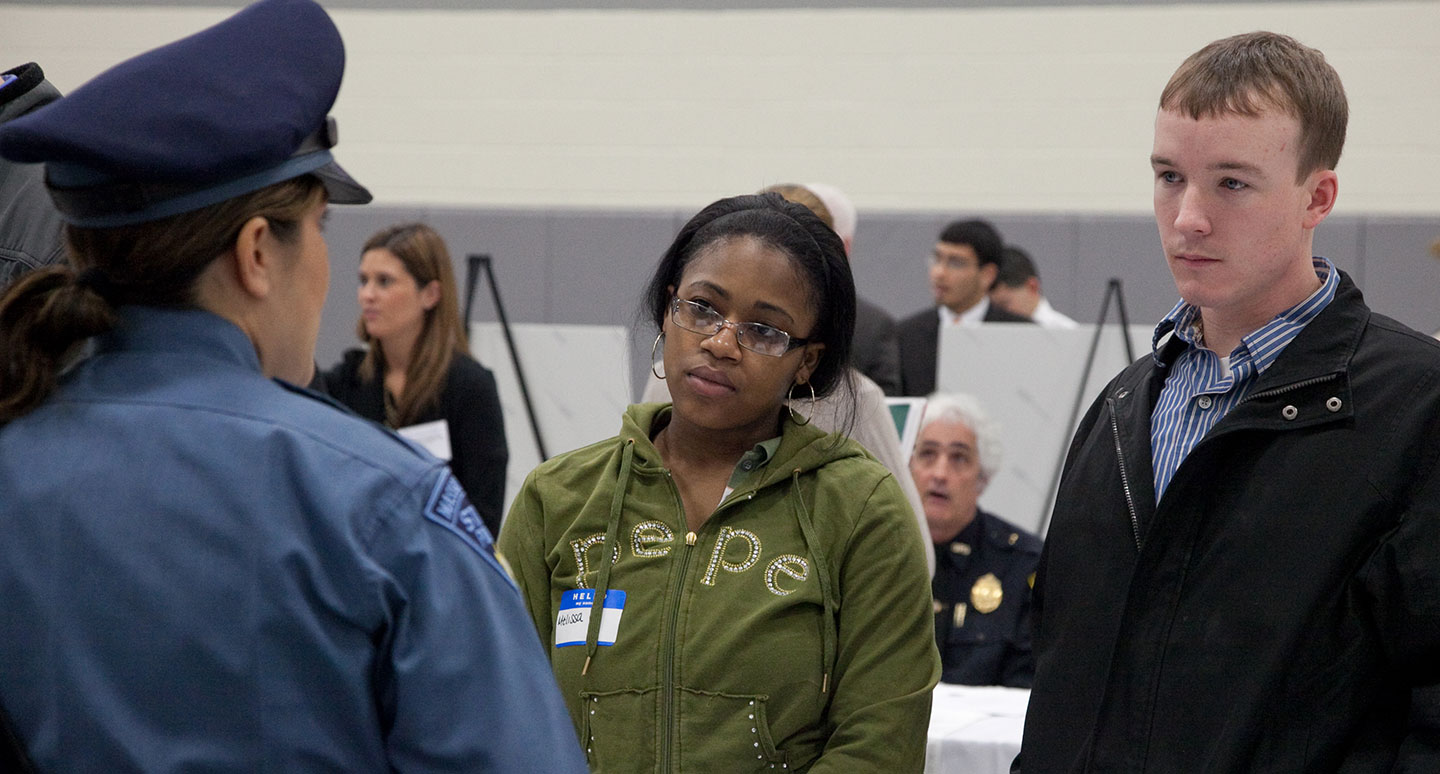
(45, 316)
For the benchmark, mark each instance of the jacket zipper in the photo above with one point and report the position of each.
(1270, 393)
(1120, 452)
(1124, 474)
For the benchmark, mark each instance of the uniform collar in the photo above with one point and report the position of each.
(186, 331)
(964, 545)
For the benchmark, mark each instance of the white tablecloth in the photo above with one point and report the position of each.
(974, 730)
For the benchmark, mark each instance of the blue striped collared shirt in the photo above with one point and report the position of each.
(1202, 387)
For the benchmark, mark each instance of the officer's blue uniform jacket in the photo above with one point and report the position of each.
(202, 569)
(982, 603)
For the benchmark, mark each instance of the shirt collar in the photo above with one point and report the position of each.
(968, 318)
(1184, 320)
(763, 452)
(751, 463)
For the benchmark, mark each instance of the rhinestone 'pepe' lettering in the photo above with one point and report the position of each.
(650, 533)
(582, 548)
(717, 557)
(785, 564)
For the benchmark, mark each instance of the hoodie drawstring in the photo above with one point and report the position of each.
(612, 551)
(822, 574)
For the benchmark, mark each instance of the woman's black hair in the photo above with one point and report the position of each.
(814, 249)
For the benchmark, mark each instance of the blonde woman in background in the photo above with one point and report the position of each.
(417, 369)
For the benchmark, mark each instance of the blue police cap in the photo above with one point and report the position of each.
(226, 111)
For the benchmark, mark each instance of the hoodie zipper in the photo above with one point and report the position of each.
(671, 722)
(667, 688)
(667, 695)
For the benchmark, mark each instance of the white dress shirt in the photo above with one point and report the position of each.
(1046, 317)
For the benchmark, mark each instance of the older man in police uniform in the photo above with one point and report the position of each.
(984, 565)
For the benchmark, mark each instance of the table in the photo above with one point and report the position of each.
(974, 729)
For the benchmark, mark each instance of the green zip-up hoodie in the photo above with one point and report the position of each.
(793, 631)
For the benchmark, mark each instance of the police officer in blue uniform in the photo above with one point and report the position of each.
(984, 565)
(204, 567)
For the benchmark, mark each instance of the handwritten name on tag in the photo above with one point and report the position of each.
(572, 623)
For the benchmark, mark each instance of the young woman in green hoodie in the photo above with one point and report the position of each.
(724, 588)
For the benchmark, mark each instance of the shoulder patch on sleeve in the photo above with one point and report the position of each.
(449, 507)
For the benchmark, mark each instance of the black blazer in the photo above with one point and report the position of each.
(919, 337)
(469, 404)
(874, 350)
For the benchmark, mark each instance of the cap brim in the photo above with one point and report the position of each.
(341, 187)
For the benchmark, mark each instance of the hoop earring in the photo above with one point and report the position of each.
(789, 398)
(653, 348)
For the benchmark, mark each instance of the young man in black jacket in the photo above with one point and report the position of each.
(1241, 572)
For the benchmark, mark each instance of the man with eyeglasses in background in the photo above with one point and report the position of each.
(962, 270)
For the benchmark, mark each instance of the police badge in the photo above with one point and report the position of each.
(986, 594)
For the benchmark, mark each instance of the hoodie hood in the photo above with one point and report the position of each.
(803, 447)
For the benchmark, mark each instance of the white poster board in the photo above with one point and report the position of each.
(579, 382)
(1026, 377)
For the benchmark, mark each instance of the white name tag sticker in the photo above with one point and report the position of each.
(572, 624)
(434, 436)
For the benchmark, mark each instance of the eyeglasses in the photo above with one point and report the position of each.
(952, 262)
(759, 338)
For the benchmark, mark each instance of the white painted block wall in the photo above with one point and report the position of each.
(992, 109)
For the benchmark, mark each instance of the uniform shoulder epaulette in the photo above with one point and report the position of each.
(314, 395)
(1005, 535)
